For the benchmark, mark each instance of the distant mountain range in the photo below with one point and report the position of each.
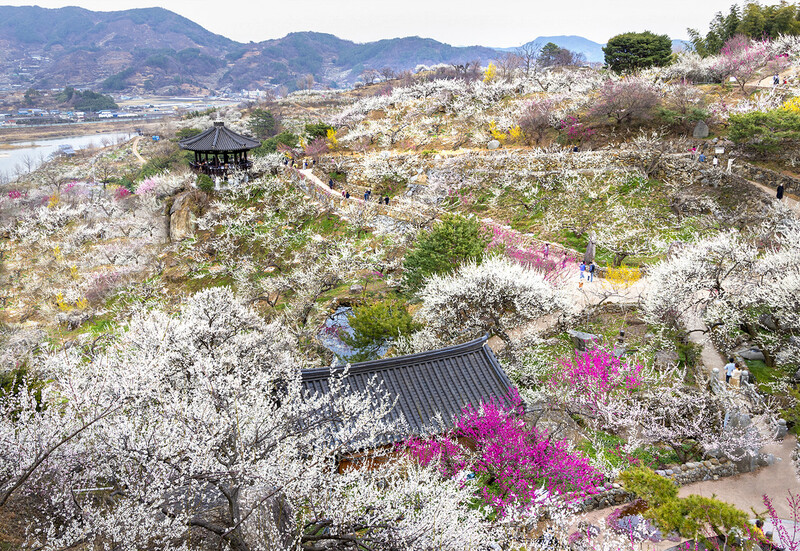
(157, 51)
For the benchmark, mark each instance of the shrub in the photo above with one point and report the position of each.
(443, 249)
(692, 517)
(765, 131)
(695, 516)
(271, 145)
(318, 130)
(205, 183)
(121, 193)
(654, 489)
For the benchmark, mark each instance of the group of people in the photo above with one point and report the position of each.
(587, 270)
(776, 80)
(381, 200)
(733, 375)
(702, 157)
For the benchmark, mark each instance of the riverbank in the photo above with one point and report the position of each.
(11, 134)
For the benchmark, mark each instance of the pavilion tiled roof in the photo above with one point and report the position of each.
(218, 138)
(428, 387)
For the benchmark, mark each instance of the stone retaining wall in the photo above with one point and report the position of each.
(612, 494)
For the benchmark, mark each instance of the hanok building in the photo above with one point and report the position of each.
(429, 388)
(219, 150)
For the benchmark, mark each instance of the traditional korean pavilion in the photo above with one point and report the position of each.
(219, 150)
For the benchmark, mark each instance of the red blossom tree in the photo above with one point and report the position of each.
(316, 148)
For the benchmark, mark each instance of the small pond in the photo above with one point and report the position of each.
(335, 325)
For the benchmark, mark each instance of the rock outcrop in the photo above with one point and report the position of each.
(183, 212)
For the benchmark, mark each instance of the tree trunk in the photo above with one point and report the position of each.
(768, 358)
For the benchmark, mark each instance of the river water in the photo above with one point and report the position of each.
(14, 160)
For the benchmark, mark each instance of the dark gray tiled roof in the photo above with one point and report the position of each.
(218, 138)
(438, 382)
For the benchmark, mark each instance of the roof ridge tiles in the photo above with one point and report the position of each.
(386, 363)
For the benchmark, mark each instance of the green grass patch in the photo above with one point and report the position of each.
(608, 447)
(763, 374)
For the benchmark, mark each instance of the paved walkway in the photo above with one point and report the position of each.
(746, 490)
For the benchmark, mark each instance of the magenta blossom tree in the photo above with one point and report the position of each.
(594, 380)
(629, 101)
(787, 530)
(515, 465)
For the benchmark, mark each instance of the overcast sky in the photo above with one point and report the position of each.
(497, 23)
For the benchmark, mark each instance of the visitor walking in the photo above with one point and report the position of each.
(330, 183)
(715, 161)
(546, 250)
(347, 195)
(736, 377)
(701, 158)
(779, 195)
(729, 367)
(366, 196)
(764, 540)
(305, 164)
(386, 200)
(582, 268)
(776, 80)
(591, 271)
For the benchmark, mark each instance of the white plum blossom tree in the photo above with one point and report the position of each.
(496, 296)
(195, 428)
(739, 290)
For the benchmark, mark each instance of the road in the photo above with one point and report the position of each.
(135, 149)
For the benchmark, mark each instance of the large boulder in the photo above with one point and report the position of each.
(183, 213)
(751, 354)
(767, 322)
(666, 359)
(700, 130)
(493, 144)
(581, 341)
